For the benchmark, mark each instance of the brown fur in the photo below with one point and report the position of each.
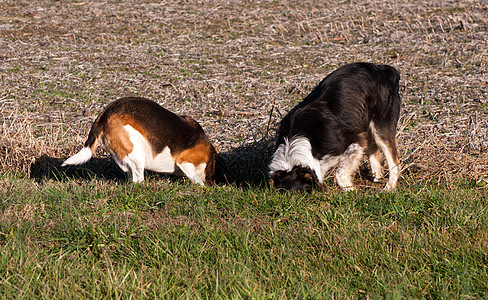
(116, 138)
(161, 128)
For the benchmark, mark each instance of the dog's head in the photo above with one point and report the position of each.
(298, 179)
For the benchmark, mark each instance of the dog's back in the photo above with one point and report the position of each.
(342, 106)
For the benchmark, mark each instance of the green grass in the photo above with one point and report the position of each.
(104, 238)
(162, 239)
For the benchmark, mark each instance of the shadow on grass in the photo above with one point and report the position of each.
(46, 167)
(244, 166)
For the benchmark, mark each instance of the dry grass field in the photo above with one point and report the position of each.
(237, 67)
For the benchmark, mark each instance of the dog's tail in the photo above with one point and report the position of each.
(86, 153)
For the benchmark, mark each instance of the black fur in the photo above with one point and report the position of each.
(339, 110)
(299, 179)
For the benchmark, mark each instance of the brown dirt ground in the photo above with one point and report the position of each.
(237, 67)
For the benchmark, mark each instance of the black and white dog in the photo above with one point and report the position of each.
(353, 111)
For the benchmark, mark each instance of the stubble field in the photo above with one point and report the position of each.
(237, 67)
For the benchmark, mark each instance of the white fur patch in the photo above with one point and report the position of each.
(163, 162)
(348, 165)
(297, 152)
(79, 158)
(142, 158)
(192, 173)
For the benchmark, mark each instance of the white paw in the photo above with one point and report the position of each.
(390, 187)
(349, 188)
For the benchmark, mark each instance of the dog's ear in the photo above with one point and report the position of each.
(308, 177)
(276, 178)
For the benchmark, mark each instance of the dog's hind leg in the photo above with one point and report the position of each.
(348, 165)
(388, 145)
(374, 155)
(135, 163)
(390, 151)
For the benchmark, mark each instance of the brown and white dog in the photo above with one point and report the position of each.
(354, 110)
(140, 134)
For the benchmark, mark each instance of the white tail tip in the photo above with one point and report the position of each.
(79, 158)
